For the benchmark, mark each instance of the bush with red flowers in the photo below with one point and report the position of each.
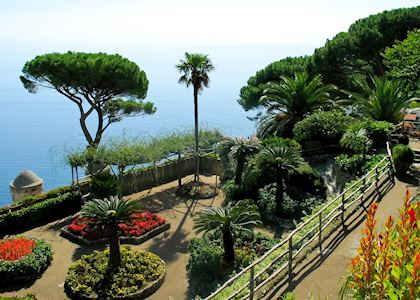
(141, 224)
(23, 259)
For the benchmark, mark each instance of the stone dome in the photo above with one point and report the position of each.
(26, 179)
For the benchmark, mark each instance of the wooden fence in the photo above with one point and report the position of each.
(280, 260)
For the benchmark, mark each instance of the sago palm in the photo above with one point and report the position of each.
(279, 159)
(386, 100)
(291, 98)
(240, 149)
(243, 216)
(108, 214)
(357, 141)
(195, 70)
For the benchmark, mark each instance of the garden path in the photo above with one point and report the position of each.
(171, 246)
(323, 277)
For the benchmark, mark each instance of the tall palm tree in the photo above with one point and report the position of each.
(243, 216)
(384, 101)
(195, 70)
(290, 99)
(108, 214)
(280, 159)
(357, 141)
(240, 149)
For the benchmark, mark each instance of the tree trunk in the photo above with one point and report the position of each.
(279, 192)
(196, 156)
(239, 169)
(114, 248)
(121, 178)
(228, 245)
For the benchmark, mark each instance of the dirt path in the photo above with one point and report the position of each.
(323, 277)
(171, 246)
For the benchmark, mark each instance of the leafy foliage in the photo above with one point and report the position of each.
(243, 216)
(104, 185)
(34, 214)
(89, 275)
(403, 59)
(95, 82)
(28, 267)
(289, 100)
(403, 157)
(356, 164)
(356, 141)
(377, 131)
(387, 264)
(326, 127)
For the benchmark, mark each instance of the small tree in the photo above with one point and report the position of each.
(280, 159)
(194, 70)
(108, 214)
(109, 85)
(243, 216)
(240, 149)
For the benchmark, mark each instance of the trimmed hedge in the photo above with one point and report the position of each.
(38, 213)
(28, 267)
(403, 157)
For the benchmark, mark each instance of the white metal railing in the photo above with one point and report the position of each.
(307, 236)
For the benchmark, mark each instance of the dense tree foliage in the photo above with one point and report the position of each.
(109, 85)
(355, 54)
(403, 59)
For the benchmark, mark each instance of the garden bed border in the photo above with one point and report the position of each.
(124, 240)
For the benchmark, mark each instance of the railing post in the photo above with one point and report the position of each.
(290, 259)
(178, 168)
(320, 232)
(377, 182)
(391, 169)
(343, 210)
(251, 284)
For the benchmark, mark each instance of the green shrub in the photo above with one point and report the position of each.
(403, 157)
(103, 185)
(326, 127)
(295, 209)
(90, 275)
(354, 164)
(27, 268)
(26, 297)
(35, 214)
(377, 131)
(278, 141)
(50, 194)
(303, 180)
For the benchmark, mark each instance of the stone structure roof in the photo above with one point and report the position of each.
(26, 179)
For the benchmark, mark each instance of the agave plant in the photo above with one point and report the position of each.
(243, 216)
(108, 214)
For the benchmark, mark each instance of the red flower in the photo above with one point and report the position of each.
(412, 215)
(15, 249)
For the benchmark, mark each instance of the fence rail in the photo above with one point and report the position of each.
(309, 235)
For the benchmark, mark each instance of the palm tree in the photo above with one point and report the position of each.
(240, 149)
(243, 216)
(385, 101)
(108, 214)
(290, 99)
(280, 159)
(194, 69)
(357, 141)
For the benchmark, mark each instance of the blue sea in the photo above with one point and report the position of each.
(37, 130)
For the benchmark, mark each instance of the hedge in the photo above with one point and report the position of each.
(41, 212)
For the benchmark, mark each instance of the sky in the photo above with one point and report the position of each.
(227, 22)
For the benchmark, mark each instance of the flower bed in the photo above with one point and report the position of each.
(23, 259)
(141, 273)
(144, 226)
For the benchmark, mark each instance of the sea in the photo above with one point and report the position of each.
(37, 131)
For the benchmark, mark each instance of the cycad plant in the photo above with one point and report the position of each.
(108, 214)
(240, 149)
(243, 216)
(279, 159)
(290, 99)
(386, 100)
(356, 141)
(195, 70)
